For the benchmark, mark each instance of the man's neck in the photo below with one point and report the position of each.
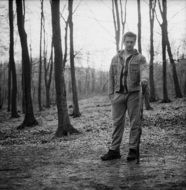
(128, 52)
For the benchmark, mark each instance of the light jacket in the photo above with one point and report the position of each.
(137, 71)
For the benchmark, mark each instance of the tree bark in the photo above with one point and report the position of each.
(151, 67)
(29, 119)
(139, 26)
(76, 112)
(14, 113)
(64, 125)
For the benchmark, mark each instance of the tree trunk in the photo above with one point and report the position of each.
(174, 72)
(93, 81)
(139, 26)
(165, 93)
(9, 86)
(12, 63)
(76, 112)
(123, 19)
(163, 12)
(29, 119)
(64, 125)
(184, 86)
(23, 91)
(1, 98)
(48, 79)
(40, 59)
(116, 19)
(151, 67)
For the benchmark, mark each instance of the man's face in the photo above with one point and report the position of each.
(129, 43)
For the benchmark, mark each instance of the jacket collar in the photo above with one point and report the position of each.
(121, 52)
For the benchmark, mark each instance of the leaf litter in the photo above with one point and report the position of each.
(34, 159)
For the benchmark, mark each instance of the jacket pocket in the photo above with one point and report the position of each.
(135, 72)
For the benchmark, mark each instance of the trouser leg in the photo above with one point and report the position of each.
(118, 117)
(133, 105)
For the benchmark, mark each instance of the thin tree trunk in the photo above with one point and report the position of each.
(139, 26)
(23, 91)
(48, 79)
(151, 67)
(116, 19)
(93, 80)
(165, 93)
(76, 112)
(40, 59)
(9, 86)
(12, 63)
(29, 119)
(1, 86)
(123, 19)
(174, 72)
(163, 12)
(64, 125)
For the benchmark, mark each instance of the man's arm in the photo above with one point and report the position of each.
(144, 72)
(144, 69)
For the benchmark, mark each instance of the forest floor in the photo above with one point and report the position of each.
(34, 159)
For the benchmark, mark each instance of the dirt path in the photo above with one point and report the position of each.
(33, 159)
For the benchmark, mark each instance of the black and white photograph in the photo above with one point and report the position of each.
(92, 94)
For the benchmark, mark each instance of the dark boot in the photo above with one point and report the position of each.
(133, 154)
(111, 155)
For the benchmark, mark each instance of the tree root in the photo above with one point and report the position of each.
(165, 101)
(69, 129)
(27, 124)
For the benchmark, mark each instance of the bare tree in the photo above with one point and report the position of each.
(64, 125)
(152, 5)
(119, 19)
(164, 25)
(40, 59)
(12, 63)
(139, 26)
(29, 119)
(174, 72)
(76, 112)
(163, 11)
(48, 66)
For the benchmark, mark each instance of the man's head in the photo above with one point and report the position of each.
(129, 40)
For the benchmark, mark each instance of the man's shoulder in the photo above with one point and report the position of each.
(141, 57)
(114, 59)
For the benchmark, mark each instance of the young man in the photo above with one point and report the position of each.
(128, 70)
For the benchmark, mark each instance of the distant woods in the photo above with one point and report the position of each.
(55, 77)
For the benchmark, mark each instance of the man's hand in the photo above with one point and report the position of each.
(144, 83)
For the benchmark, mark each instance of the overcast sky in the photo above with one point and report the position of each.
(94, 29)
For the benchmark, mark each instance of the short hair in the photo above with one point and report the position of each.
(129, 34)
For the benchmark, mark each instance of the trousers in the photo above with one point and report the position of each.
(120, 104)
